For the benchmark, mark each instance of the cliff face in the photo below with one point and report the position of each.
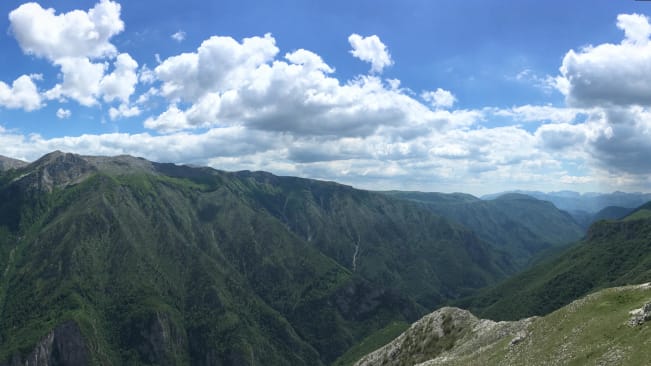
(63, 346)
(610, 327)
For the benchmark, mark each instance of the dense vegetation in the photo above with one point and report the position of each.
(613, 253)
(520, 225)
(162, 264)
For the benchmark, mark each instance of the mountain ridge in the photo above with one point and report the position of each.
(158, 263)
(613, 253)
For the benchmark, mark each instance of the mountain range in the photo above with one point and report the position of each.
(587, 208)
(613, 253)
(134, 262)
(123, 261)
(520, 225)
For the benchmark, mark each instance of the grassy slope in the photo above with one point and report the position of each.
(371, 343)
(613, 253)
(590, 331)
(234, 268)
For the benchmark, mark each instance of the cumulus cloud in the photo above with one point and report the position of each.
(63, 113)
(620, 141)
(611, 74)
(41, 32)
(370, 49)
(242, 104)
(226, 83)
(22, 94)
(81, 79)
(124, 111)
(439, 98)
(78, 42)
(121, 83)
(613, 83)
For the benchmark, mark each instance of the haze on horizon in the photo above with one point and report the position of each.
(475, 96)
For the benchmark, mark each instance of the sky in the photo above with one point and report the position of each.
(475, 96)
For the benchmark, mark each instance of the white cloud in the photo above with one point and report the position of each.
(614, 82)
(81, 80)
(79, 43)
(542, 113)
(370, 49)
(146, 75)
(121, 83)
(636, 28)
(124, 111)
(439, 98)
(178, 36)
(220, 64)
(43, 33)
(63, 113)
(244, 105)
(243, 83)
(610, 74)
(22, 94)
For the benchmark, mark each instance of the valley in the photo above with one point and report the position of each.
(119, 260)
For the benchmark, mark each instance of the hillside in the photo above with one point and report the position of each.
(124, 261)
(610, 327)
(520, 225)
(613, 253)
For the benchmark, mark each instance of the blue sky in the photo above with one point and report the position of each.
(473, 96)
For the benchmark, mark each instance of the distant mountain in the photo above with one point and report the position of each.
(613, 253)
(588, 202)
(124, 261)
(612, 213)
(609, 327)
(518, 224)
(585, 207)
(9, 163)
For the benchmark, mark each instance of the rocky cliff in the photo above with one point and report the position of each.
(64, 345)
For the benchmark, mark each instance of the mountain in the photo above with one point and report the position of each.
(518, 224)
(122, 261)
(609, 327)
(613, 253)
(612, 213)
(9, 163)
(585, 202)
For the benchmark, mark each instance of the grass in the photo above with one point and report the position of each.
(592, 330)
(371, 343)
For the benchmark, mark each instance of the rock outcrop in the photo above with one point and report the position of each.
(443, 335)
(641, 315)
(589, 331)
(63, 346)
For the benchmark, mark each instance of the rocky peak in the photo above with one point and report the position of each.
(59, 169)
(55, 170)
(445, 334)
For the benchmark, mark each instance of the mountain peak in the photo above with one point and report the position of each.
(59, 169)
